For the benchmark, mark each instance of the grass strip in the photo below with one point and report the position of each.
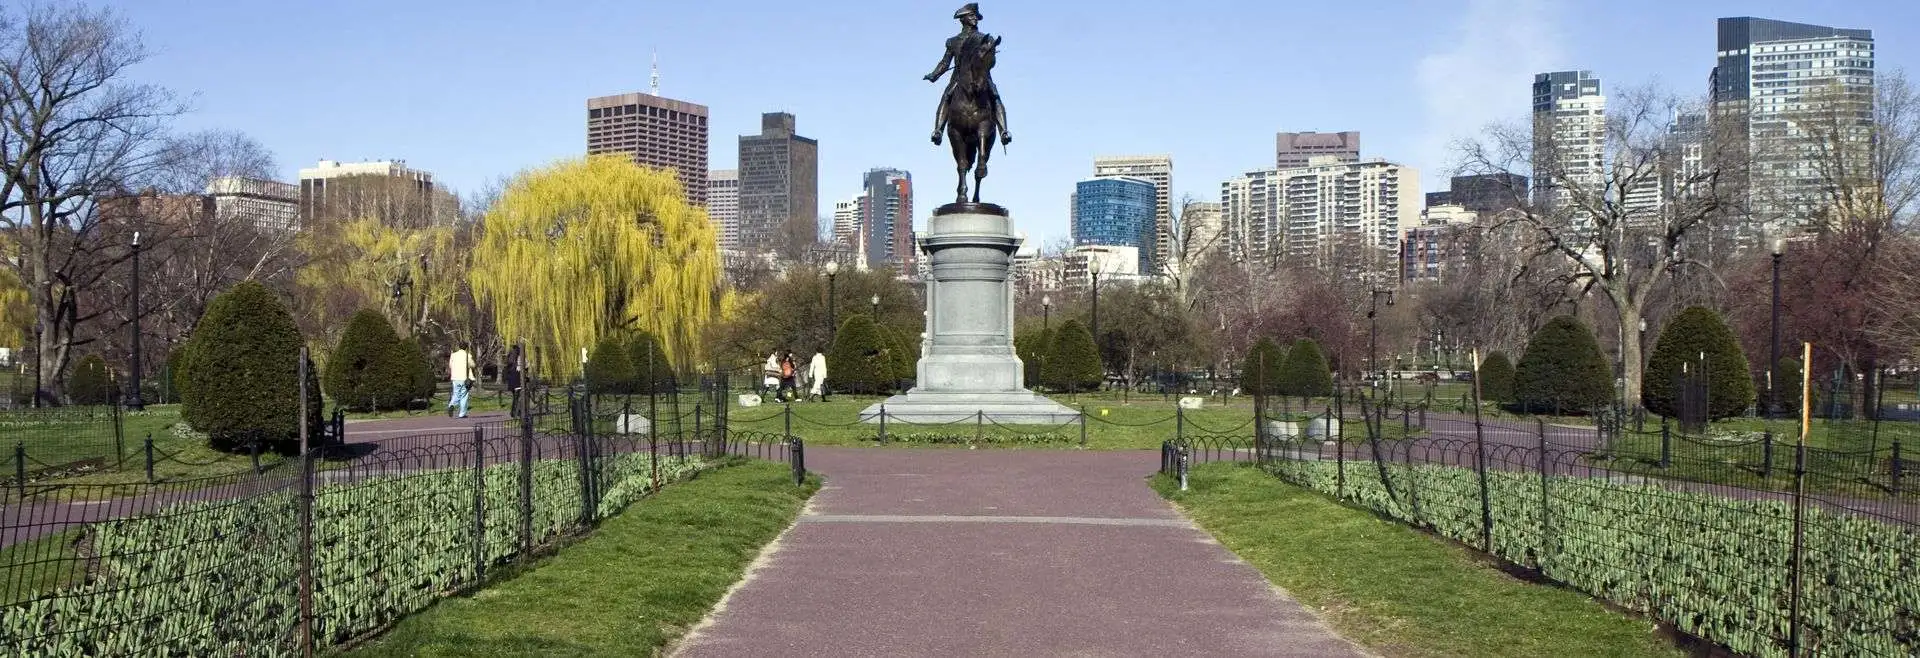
(640, 581)
(1394, 589)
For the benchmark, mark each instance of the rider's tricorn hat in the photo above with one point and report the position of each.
(971, 9)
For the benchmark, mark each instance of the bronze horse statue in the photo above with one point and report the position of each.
(973, 113)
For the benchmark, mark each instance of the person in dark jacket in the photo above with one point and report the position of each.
(514, 378)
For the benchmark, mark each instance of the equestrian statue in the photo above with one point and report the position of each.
(970, 112)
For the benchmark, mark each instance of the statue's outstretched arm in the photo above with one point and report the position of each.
(946, 63)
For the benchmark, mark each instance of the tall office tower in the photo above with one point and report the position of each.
(1569, 136)
(1293, 150)
(1772, 75)
(779, 181)
(723, 206)
(1156, 169)
(266, 204)
(846, 222)
(657, 132)
(887, 217)
(1116, 211)
(384, 189)
(1203, 230)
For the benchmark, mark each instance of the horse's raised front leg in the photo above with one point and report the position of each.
(980, 167)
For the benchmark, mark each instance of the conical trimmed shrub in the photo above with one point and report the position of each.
(1563, 370)
(1306, 373)
(420, 364)
(368, 368)
(90, 383)
(860, 361)
(1263, 369)
(1032, 346)
(242, 369)
(652, 371)
(1697, 336)
(609, 370)
(1496, 378)
(1074, 364)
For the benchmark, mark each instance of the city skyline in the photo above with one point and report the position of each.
(1460, 65)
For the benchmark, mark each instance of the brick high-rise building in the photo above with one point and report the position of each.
(1293, 150)
(655, 131)
(779, 181)
(886, 217)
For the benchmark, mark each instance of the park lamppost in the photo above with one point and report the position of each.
(875, 302)
(1046, 313)
(1779, 247)
(133, 398)
(1095, 271)
(1373, 329)
(833, 269)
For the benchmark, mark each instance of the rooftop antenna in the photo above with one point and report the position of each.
(656, 72)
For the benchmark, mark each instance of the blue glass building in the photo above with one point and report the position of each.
(1115, 211)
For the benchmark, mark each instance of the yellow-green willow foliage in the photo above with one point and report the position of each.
(587, 247)
(15, 317)
(354, 265)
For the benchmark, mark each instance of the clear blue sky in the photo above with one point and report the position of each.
(476, 90)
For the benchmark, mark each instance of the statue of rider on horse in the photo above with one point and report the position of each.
(970, 112)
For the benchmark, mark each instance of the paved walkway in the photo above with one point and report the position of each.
(1002, 552)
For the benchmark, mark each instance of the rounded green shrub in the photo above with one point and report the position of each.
(241, 368)
(369, 368)
(1306, 373)
(422, 370)
(91, 382)
(1563, 370)
(1032, 346)
(860, 361)
(1496, 378)
(1074, 363)
(1259, 379)
(652, 370)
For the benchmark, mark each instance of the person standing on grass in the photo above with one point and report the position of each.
(817, 374)
(460, 369)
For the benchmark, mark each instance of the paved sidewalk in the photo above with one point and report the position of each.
(1002, 552)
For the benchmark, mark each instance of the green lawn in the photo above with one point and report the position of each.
(636, 584)
(1140, 422)
(67, 438)
(1734, 454)
(31, 568)
(1394, 589)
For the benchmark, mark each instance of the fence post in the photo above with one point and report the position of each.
(20, 467)
(1766, 454)
(1423, 414)
(1799, 539)
(580, 442)
(526, 480)
(979, 423)
(1083, 424)
(1180, 424)
(253, 454)
(120, 442)
(706, 447)
(306, 512)
(1898, 467)
(1666, 443)
(883, 423)
(479, 505)
(1546, 508)
(1186, 461)
(786, 421)
(149, 451)
(1166, 447)
(799, 459)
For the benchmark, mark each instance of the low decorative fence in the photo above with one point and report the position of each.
(357, 536)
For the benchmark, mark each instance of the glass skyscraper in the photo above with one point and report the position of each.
(1116, 211)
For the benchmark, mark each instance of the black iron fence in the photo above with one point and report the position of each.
(1817, 554)
(356, 535)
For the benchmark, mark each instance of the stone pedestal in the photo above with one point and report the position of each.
(967, 364)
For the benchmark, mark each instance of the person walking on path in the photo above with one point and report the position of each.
(460, 369)
(770, 373)
(514, 379)
(817, 374)
(789, 378)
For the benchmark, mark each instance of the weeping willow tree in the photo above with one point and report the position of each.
(14, 316)
(588, 247)
(414, 276)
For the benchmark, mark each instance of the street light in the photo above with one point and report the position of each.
(875, 301)
(1779, 248)
(833, 269)
(1046, 313)
(133, 400)
(1373, 329)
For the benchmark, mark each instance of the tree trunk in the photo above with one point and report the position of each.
(1629, 316)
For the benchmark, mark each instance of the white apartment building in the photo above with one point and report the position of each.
(267, 204)
(1320, 214)
(723, 206)
(1568, 105)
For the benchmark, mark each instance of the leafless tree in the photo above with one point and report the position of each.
(72, 127)
(1197, 233)
(1618, 249)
